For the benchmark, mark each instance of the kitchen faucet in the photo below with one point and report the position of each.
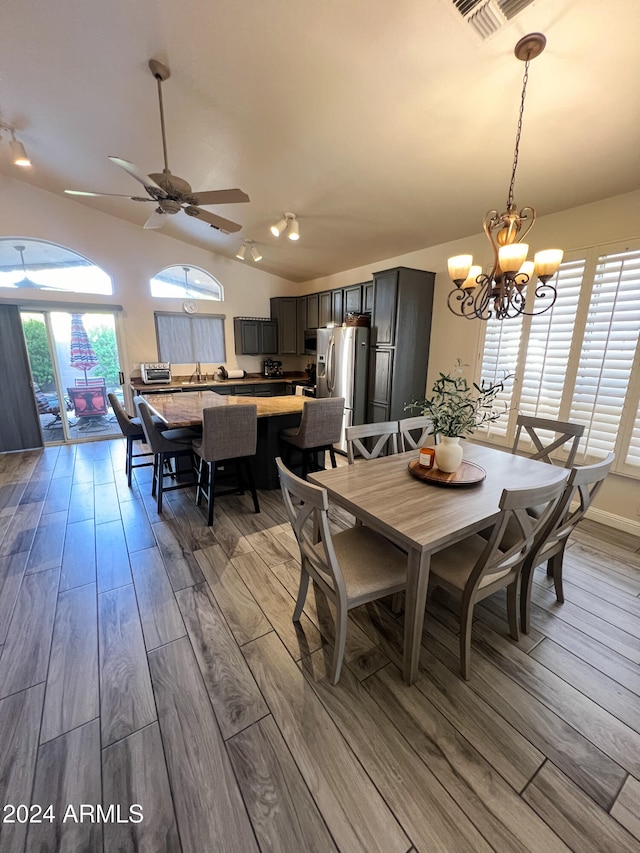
(197, 373)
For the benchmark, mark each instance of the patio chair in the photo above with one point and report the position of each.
(90, 405)
(46, 407)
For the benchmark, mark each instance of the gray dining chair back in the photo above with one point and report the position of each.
(414, 433)
(320, 428)
(166, 446)
(564, 432)
(230, 436)
(381, 437)
(475, 567)
(132, 431)
(352, 567)
(584, 484)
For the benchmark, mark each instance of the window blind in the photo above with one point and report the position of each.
(608, 351)
(501, 347)
(633, 456)
(185, 340)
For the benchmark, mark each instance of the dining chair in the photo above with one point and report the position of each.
(584, 484)
(320, 428)
(132, 431)
(167, 445)
(407, 433)
(475, 567)
(564, 432)
(352, 567)
(229, 438)
(384, 433)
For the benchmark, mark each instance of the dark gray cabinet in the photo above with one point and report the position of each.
(325, 309)
(313, 311)
(255, 336)
(284, 310)
(301, 323)
(337, 312)
(400, 336)
(367, 297)
(352, 299)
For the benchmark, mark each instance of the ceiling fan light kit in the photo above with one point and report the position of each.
(168, 192)
(288, 222)
(501, 293)
(19, 156)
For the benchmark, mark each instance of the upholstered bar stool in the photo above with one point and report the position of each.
(320, 428)
(167, 445)
(229, 439)
(132, 431)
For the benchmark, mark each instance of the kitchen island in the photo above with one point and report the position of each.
(274, 413)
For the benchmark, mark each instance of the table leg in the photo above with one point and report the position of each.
(415, 601)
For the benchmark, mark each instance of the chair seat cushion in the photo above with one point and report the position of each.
(180, 436)
(455, 563)
(369, 563)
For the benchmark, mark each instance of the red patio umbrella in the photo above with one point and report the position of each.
(82, 355)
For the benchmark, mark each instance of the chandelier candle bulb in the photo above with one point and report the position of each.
(459, 267)
(512, 257)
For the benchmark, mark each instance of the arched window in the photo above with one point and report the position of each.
(38, 265)
(183, 281)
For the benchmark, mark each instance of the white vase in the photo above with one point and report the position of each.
(448, 454)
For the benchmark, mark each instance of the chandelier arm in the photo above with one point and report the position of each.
(543, 290)
(491, 220)
(525, 218)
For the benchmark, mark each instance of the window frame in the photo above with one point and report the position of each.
(187, 292)
(630, 412)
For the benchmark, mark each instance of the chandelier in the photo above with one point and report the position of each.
(501, 292)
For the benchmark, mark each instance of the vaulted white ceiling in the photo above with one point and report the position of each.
(387, 127)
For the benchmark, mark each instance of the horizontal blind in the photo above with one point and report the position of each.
(549, 345)
(501, 345)
(608, 349)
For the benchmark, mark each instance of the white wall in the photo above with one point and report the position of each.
(132, 256)
(452, 337)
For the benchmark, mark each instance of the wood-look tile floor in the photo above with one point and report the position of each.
(149, 665)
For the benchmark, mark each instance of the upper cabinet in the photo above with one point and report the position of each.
(325, 309)
(352, 299)
(313, 309)
(255, 336)
(284, 309)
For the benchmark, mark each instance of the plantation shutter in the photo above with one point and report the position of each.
(633, 456)
(608, 350)
(549, 346)
(501, 346)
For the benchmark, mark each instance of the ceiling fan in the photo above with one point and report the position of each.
(170, 193)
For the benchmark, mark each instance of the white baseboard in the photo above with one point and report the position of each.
(619, 522)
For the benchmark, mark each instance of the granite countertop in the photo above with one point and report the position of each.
(179, 382)
(183, 410)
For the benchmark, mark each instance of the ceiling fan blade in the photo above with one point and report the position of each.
(112, 195)
(135, 172)
(156, 220)
(211, 219)
(221, 197)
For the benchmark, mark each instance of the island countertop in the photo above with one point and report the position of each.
(185, 410)
(179, 383)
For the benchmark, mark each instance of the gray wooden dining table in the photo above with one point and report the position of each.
(422, 517)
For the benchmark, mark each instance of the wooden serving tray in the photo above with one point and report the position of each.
(468, 474)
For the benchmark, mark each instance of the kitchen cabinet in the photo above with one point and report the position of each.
(284, 310)
(400, 336)
(301, 323)
(325, 309)
(337, 313)
(352, 299)
(255, 336)
(367, 297)
(313, 309)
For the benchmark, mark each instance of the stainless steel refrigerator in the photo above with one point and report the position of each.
(342, 362)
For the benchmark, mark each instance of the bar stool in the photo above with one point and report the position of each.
(132, 430)
(229, 437)
(170, 444)
(320, 428)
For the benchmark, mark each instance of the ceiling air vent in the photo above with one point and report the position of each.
(488, 16)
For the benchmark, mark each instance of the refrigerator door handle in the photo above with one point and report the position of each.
(331, 365)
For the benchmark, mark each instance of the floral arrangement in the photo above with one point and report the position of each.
(456, 408)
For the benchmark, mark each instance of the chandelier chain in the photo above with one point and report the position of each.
(525, 80)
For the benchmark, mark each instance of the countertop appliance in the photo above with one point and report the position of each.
(271, 367)
(231, 374)
(155, 372)
(342, 371)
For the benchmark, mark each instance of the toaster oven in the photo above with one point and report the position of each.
(158, 372)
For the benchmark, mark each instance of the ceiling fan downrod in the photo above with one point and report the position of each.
(161, 72)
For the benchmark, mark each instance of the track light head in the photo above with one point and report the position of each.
(279, 227)
(294, 230)
(240, 252)
(255, 254)
(289, 221)
(19, 156)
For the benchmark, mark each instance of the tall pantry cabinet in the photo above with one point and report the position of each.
(400, 336)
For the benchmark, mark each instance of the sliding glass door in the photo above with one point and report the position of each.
(74, 366)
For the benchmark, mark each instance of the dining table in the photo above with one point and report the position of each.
(184, 409)
(423, 517)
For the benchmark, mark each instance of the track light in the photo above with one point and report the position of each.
(290, 221)
(255, 253)
(19, 156)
